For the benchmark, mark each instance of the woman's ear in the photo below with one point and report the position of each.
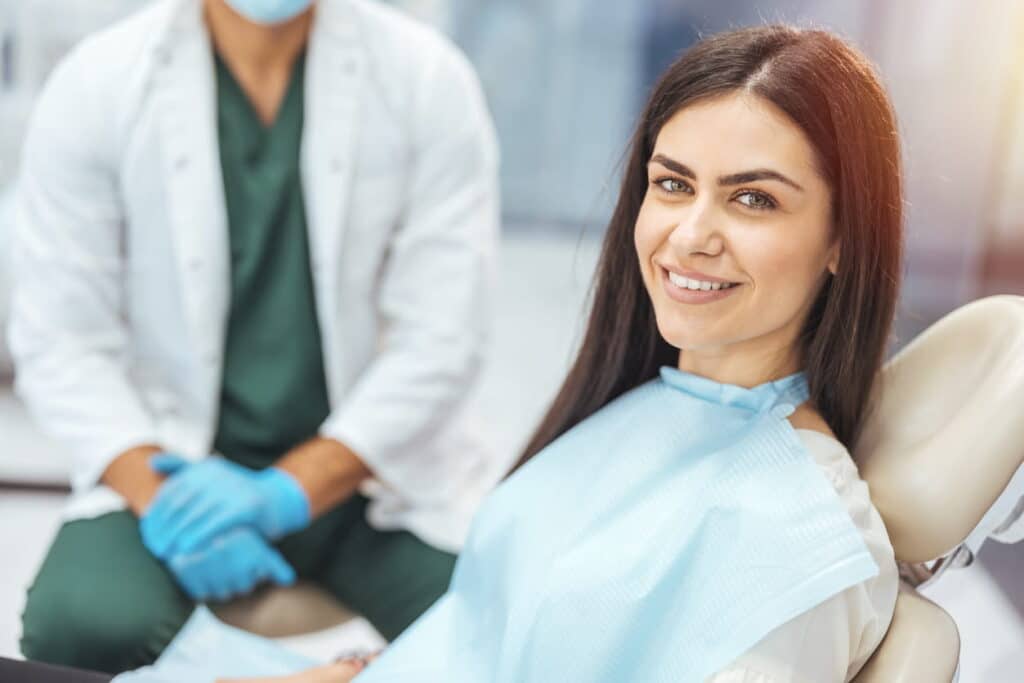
(833, 258)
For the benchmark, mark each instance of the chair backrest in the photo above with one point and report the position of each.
(944, 439)
(947, 427)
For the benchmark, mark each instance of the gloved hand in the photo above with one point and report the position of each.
(232, 565)
(203, 500)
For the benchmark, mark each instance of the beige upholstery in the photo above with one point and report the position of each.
(947, 427)
(922, 645)
(941, 446)
(943, 442)
(282, 612)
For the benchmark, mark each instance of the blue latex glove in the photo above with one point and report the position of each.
(201, 501)
(232, 565)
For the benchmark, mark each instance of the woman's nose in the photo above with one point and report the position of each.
(697, 232)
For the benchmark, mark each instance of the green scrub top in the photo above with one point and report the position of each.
(273, 389)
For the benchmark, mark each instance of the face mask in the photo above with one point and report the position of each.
(269, 11)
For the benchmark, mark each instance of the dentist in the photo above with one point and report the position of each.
(253, 247)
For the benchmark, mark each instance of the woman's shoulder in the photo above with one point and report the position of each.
(869, 605)
(806, 417)
(833, 640)
(836, 463)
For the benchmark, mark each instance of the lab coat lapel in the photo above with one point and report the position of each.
(334, 85)
(190, 159)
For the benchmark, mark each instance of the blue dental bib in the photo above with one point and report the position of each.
(657, 541)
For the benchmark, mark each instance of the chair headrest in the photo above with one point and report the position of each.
(946, 430)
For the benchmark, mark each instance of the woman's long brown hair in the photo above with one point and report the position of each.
(834, 95)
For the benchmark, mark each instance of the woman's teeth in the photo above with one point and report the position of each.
(687, 283)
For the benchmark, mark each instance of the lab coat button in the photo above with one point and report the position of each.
(181, 163)
(336, 166)
(194, 265)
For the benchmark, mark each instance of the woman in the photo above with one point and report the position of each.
(755, 248)
(669, 520)
(746, 289)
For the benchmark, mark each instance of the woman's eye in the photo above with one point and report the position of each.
(672, 185)
(756, 200)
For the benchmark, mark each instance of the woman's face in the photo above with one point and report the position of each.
(734, 235)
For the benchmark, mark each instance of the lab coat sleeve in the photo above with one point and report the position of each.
(67, 331)
(435, 295)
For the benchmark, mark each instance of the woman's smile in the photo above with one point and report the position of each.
(691, 290)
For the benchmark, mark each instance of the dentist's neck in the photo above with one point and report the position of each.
(256, 49)
(260, 57)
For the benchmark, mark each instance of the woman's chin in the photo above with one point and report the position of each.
(682, 335)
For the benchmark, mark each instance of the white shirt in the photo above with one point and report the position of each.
(830, 643)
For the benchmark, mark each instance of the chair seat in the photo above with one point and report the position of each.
(922, 644)
(280, 612)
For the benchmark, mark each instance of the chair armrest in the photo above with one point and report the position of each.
(922, 644)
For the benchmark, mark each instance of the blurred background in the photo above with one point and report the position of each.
(565, 81)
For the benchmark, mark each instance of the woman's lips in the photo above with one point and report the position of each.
(684, 295)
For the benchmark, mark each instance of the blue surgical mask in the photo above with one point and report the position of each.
(269, 11)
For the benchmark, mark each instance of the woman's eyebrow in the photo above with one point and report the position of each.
(732, 179)
(673, 165)
(757, 174)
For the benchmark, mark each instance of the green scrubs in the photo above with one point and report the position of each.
(100, 600)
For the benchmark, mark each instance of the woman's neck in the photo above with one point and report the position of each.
(741, 367)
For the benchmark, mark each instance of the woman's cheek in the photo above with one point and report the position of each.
(645, 237)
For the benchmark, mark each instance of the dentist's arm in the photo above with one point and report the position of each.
(131, 475)
(68, 330)
(434, 296)
(204, 500)
(327, 470)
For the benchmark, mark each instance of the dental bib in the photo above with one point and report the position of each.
(656, 541)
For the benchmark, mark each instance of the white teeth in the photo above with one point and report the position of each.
(698, 285)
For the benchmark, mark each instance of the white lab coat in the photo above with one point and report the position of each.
(122, 258)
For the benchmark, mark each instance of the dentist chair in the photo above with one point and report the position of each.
(944, 440)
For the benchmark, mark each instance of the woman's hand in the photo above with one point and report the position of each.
(338, 672)
(342, 671)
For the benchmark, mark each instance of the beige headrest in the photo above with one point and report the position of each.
(946, 432)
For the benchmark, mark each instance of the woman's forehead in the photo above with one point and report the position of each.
(733, 133)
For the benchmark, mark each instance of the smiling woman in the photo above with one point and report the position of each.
(764, 234)
(669, 520)
(766, 159)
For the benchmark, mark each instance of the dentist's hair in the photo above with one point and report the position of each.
(832, 92)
